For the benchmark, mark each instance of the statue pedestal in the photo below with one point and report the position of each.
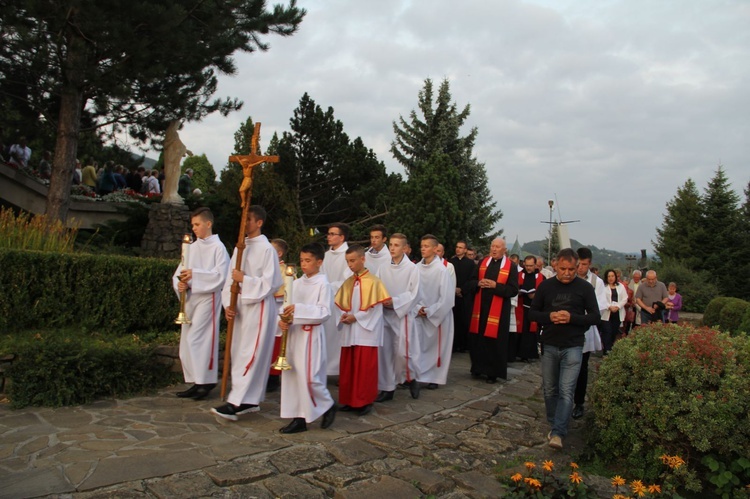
(167, 223)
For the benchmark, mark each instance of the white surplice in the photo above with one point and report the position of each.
(398, 357)
(437, 294)
(337, 271)
(303, 388)
(199, 340)
(374, 260)
(255, 323)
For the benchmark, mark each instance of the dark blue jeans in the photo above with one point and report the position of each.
(560, 367)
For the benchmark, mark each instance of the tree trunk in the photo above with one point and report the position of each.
(68, 127)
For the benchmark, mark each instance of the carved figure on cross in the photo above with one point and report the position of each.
(249, 162)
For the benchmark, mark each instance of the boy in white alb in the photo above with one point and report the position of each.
(202, 280)
(336, 271)
(255, 318)
(274, 378)
(398, 356)
(304, 395)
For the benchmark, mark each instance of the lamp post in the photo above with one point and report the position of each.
(630, 259)
(549, 237)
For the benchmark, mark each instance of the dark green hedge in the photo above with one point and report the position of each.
(92, 292)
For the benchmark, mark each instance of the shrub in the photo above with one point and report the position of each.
(731, 315)
(745, 324)
(670, 389)
(711, 316)
(65, 368)
(696, 288)
(95, 292)
(34, 233)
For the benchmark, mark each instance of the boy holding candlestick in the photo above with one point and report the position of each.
(201, 274)
(281, 248)
(304, 395)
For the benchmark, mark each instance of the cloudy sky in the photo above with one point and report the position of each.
(605, 105)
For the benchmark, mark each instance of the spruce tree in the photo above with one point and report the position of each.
(435, 131)
(721, 221)
(682, 233)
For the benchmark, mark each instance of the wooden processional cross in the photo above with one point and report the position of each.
(248, 162)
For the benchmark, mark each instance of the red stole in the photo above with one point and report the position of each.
(496, 307)
(520, 310)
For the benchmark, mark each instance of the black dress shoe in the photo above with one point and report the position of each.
(346, 408)
(491, 381)
(475, 375)
(364, 411)
(297, 425)
(187, 393)
(432, 386)
(202, 391)
(384, 396)
(328, 417)
(577, 412)
(273, 383)
(414, 388)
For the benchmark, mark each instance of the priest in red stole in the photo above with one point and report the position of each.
(360, 299)
(495, 283)
(525, 344)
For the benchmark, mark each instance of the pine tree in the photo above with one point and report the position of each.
(721, 221)
(129, 66)
(204, 175)
(743, 258)
(682, 233)
(437, 132)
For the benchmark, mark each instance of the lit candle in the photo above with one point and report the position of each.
(186, 240)
(288, 283)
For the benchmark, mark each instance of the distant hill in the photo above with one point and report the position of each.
(147, 163)
(603, 258)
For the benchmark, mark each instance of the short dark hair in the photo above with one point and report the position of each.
(607, 272)
(315, 249)
(283, 246)
(257, 211)
(462, 241)
(342, 227)
(515, 255)
(379, 228)
(530, 257)
(203, 212)
(430, 237)
(568, 254)
(585, 254)
(356, 248)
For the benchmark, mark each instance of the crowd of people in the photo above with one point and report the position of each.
(376, 318)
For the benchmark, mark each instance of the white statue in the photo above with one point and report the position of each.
(174, 151)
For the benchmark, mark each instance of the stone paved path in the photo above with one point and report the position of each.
(451, 443)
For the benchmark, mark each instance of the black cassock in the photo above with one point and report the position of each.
(489, 356)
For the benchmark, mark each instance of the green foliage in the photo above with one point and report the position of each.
(119, 236)
(695, 286)
(25, 232)
(728, 478)
(731, 315)
(712, 314)
(68, 368)
(204, 176)
(682, 231)
(437, 132)
(670, 389)
(744, 326)
(94, 292)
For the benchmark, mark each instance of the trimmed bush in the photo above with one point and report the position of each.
(745, 324)
(675, 390)
(697, 288)
(731, 315)
(65, 368)
(94, 292)
(711, 316)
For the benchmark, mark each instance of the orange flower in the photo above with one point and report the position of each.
(573, 466)
(533, 483)
(548, 465)
(675, 462)
(664, 458)
(517, 477)
(619, 496)
(638, 488)
(618, 481)
(529, 465)
(576, 478)
(654, 489)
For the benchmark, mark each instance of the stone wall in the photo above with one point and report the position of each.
(167, 224)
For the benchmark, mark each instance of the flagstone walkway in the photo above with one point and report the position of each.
(450, 443)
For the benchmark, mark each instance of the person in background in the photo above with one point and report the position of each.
(614, 314)
(674, 304)
(45, 167)
(19, 154)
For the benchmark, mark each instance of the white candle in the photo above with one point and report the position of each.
(186, 251)
(288, 283)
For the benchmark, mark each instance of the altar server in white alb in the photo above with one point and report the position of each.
(255, 318)
(202, 278)
(304, 395)
(434, 322)
(336, 271)
(377, 255)
(399, 354)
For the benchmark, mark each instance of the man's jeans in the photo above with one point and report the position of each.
(560, 367)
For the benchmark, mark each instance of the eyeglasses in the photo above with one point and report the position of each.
(334, 234)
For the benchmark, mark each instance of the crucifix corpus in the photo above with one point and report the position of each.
(248, 162)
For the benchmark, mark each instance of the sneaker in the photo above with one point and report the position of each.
(231, 412)
(555, 442)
